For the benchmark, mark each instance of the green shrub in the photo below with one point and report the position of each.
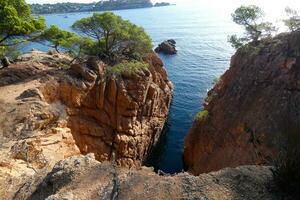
(131, 67)
(202, 116)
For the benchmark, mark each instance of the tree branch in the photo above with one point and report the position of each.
(5, 38)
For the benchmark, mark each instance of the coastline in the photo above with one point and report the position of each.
(104, 10)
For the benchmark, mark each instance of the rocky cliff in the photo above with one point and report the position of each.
(107, 112)
(83, 178)
(248, 111)
(51, 111)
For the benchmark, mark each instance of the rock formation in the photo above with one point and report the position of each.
(252, 106)
(167, 47)
(121, 113)
(83, 178)
(51, 111)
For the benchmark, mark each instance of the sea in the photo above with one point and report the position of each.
(203, 55)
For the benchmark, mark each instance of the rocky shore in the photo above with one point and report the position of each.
(82, 131)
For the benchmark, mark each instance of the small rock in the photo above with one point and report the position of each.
(167, 47)
(30, 93)
(5, 62)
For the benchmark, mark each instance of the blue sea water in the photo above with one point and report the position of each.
(203, 55)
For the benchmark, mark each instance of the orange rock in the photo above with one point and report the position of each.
(113, 106)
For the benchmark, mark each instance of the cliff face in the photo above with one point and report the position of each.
(108, 113)
(254, 103)
(49, 113)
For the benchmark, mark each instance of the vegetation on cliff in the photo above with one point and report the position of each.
(202, 115)
(127, 67)
(293, 19)
(251, 18)
(114, 39)
(107, 36)
(55, 37)
(77, 46)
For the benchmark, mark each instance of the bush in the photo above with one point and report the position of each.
(286, 170)
(128, 67)
(202, 116)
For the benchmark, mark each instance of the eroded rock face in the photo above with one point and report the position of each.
(254, 103)
(121, 113)
(84, 178)
(49, 113)
(33, 134)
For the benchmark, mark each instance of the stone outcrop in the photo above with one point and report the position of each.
(33, 134)
(121, 113)
(167, 47)
(250, 109)
(51, 111)
(84, 178)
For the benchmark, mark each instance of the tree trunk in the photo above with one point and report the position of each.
(5, 62)
(56, 48)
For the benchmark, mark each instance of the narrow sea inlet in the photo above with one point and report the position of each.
(203, 55)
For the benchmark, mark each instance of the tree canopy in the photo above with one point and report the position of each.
(16, 21)
(56, 37)
(115, 39)
(16, 24)
(72, 43)
(293, 20)
(251, 18)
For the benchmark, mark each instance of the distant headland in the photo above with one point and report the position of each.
(103, 5)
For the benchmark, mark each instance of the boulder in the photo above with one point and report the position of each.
(5, 62)
(167, 47)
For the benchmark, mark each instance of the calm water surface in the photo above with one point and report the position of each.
(203, 55)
